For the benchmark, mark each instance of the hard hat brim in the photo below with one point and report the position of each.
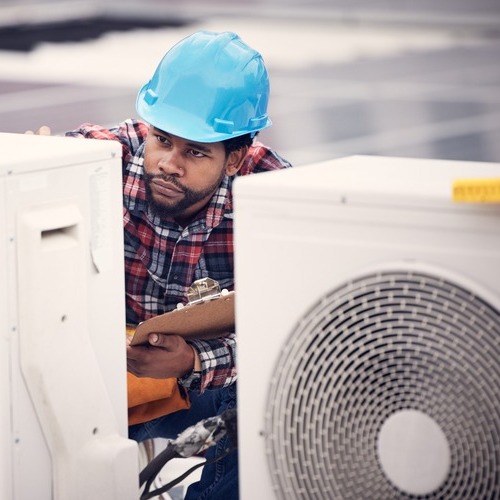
(178, 122)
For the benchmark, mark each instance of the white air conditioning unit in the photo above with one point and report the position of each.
(63, 406)
(368, 332)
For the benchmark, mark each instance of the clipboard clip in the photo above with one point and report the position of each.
(203, 290)
(213, 315)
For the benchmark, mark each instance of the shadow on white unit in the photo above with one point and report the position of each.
(63, 399)
(369, 331)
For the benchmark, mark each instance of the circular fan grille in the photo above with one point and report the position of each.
(375, 346)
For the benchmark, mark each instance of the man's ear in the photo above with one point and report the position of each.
(235, 161)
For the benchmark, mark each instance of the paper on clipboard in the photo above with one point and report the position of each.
(205, 320)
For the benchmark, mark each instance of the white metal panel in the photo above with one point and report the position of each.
(39, 153)
(369, 180)
(300, 233)
(5, 372)
(64, 333)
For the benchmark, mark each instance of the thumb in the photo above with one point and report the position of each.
(154, 339)
(166, 341)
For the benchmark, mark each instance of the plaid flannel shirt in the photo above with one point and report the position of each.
(162, 259)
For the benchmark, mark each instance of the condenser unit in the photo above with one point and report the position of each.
(368, 331)
(63, 407)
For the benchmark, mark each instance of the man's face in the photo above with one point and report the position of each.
(181, 175)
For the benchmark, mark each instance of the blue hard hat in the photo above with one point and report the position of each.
(209, 87)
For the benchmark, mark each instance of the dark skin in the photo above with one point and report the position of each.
(182, 170)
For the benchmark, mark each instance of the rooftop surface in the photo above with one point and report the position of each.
(346, 77)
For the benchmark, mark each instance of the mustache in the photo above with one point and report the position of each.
(164, 177)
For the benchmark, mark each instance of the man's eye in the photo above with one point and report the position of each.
(162, 139)
(197, 154)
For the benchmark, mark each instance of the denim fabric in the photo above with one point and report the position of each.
(219, 481)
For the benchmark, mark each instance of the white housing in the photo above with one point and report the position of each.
(63, 408)
(368, 331)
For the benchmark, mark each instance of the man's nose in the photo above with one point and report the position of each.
(171, 164)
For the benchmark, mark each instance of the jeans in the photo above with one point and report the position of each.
(219, 480)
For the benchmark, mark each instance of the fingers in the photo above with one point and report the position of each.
(43, 130)
(166, 356)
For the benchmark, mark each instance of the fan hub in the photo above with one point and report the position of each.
(414, 452)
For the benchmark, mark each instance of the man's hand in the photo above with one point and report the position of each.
(43, 130)
(165, 356)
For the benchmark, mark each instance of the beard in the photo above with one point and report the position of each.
(175, 209)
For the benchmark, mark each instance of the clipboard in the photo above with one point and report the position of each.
(208, 319)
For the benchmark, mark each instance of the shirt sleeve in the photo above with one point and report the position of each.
(218, 368)
(260, 158)
(130, 133)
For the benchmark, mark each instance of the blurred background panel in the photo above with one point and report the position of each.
(383, 77)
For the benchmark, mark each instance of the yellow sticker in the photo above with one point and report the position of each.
(476, 190)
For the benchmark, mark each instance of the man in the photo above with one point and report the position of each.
(202, 109)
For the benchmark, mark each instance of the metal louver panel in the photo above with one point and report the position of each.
(372, 348)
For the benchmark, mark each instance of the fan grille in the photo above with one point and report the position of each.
(377, 345)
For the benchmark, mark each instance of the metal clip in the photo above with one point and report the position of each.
(203, 290)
